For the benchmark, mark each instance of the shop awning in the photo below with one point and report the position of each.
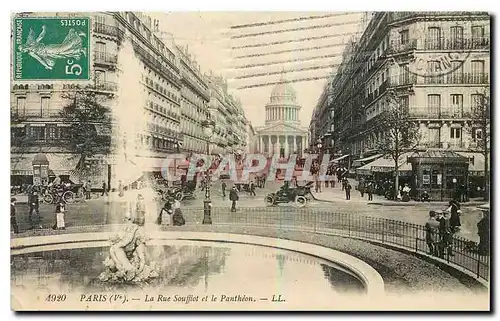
(63, 164)
(59, 164)
(385, 165)
(339, 158)
(21, 164)
(359, 162)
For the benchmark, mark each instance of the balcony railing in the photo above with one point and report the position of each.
(459, 78)
(105, 58)
(108, 30)
(447, 43)
(105, 86)
(397, 46)
(443, 113)
(432, 144)
(402, 80)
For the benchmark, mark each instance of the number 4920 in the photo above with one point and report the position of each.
(56, 298)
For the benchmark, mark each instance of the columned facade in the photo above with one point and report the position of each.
(282, 134)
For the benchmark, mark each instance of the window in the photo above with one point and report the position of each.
(457, 105)
(44, 108)
(477, 35)
(37, 133)
(457, 67)
(455, 133)
(52, 132)
(404, 102)
(21, 106)
(100, 77)
(457, 37)
(476, 103)
(477, 69)
(100, 47)
(434, 105)
(477, 134)
(433, 38)
(434, 137)
(403, 74)
(404, 36)
(434, 69)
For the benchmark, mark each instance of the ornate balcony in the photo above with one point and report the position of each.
(105, 58)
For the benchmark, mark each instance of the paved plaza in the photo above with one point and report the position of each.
(98, 211)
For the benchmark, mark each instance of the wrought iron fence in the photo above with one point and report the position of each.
(411, 237)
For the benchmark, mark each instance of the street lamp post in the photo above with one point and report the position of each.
(208, 129)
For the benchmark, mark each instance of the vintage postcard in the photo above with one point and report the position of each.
(244, 161)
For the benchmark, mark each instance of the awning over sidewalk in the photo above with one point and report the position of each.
(62, 164)
(339, 158)
(59, 163)
(21, 164)
(360, 162)
(385, 165)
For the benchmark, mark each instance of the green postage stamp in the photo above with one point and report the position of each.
(51, 48)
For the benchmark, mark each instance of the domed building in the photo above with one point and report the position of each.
(282, 133)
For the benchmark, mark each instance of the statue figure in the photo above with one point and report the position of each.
(127, 256)
(71, 47)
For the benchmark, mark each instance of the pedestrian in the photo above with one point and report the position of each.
(445, 236)
(13, 219)
(104, 189)
(224, 186)
(264, 177)
(348, 188)
(34, 202)
(120, 189)
(233, 197)
(483, 230)
(432, 234)
(252, 188)
(165, 216)
(177, 217)
(88, 189)
(361, 188)
(454, 210)
(140, 210)
(60, 213)
(343, 183)
(369, 191)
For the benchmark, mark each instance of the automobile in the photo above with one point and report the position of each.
(299, 195)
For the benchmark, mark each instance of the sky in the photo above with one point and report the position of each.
(220, 43)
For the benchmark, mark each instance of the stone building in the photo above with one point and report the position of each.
(282, 133)
(435, 63)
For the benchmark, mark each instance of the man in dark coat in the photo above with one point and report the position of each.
(361, 188)
(483, 230)
(233, 197)
(445, 234)
(252, 188)
(369, 191)
(13, 220)
(347, 188)
(454, 208)
(88, 189)
(34, 202)
(104, 189)
(432, 234)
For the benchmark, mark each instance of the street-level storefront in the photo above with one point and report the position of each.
(42, 168)
(441, 173)
(381, 172)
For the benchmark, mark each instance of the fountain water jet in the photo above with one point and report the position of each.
(127, 260)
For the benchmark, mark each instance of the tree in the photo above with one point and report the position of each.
(401, 133)
(90, 123)
(480, 132)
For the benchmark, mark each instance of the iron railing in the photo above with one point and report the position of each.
(411, 237)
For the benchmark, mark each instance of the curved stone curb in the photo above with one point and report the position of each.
(371, 279)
